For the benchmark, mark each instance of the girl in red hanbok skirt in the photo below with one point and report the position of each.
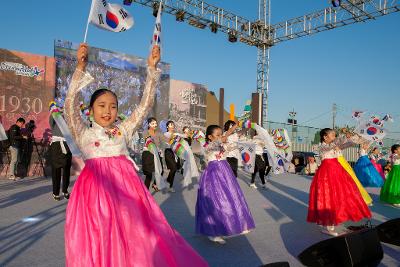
(334, 196)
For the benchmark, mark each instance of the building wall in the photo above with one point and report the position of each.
(212, 111)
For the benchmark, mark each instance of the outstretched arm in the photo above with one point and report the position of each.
(131, 124)
(71, 107)
(228, 133)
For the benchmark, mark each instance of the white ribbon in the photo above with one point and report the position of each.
(160, 181)
(133, 162)
(62, 125)
(190, 169)
(161, 184)
(3, 135)
(277, 158)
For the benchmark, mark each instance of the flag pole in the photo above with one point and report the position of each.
(158, 19)
(88, 21)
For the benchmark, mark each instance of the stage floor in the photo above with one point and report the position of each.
(32, 223)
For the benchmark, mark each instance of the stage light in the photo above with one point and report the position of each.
(196, 24)
(214, 27)
(180, 15)
(336, 3)
(232, 36)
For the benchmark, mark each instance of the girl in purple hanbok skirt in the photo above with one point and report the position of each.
(221, 209)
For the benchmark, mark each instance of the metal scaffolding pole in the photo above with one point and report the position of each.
(263, 56)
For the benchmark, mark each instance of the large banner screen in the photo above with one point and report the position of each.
(187, 104)
(123, 74)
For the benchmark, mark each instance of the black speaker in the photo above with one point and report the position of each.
(389, 232)
(360, 248)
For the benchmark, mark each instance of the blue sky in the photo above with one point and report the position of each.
(356, 67)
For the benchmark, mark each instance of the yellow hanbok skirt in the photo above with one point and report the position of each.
(367, 198)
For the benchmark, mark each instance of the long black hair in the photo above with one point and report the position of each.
(150, 120)
(210, 130)
(22, 120)
(184, 128)
(168, 123)
(394, 147)
(324, 132)
(100, 92)
(228, 125)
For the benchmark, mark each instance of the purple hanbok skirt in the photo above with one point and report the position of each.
(221, 209)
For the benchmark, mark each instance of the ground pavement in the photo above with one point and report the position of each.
(32, 223)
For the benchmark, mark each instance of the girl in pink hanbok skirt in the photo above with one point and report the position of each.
(112, 219)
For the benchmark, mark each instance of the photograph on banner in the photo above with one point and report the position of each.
(188, 104)
(123, 74)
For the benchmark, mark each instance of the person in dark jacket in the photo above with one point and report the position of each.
(60, 159)
(15, 138)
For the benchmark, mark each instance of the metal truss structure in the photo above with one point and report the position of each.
(262, 34)
(349, 12)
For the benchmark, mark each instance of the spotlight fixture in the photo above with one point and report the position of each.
(244, 27)
(214, 27)
(232, 36)
(196, 24)
(336, 3)
(180, 15)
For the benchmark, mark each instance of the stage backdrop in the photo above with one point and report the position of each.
(123, 74)
(26, 87)
(187, 104)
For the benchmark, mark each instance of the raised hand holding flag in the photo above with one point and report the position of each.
(154, 57)
(156, 38)
(111, 17)
(357, 114)
(387, 117)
